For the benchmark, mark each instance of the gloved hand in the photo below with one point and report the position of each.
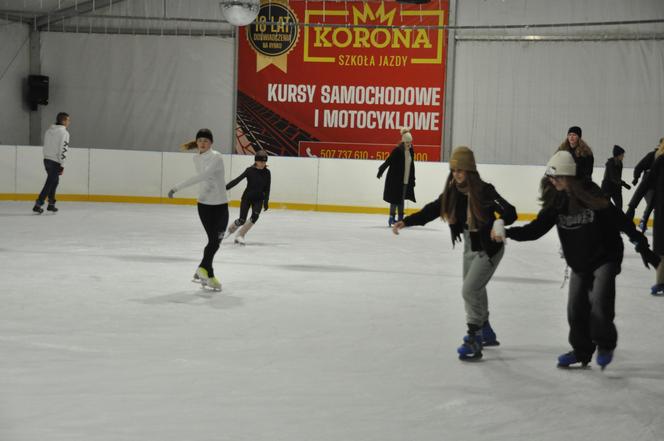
(630, 213)
(626, 185)
(265, 205)
(61, 171)
(647, 255)
(379, 174)
(171, 193)
(634, 181)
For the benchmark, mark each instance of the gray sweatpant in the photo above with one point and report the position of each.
(477, 271)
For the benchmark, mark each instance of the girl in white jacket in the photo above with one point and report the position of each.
(212, 201)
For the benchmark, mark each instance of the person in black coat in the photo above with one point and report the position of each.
(400, 182)
(643, 167)
(470, 207)
(256, 196)
(612, 182)
(654, 182)
(581, 152)
(589, 229)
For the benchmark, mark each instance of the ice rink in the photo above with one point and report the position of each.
(328, 328)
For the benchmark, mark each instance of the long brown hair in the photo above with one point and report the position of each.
(187, 146)
(582, 149)
(581, 194)
(450, 195)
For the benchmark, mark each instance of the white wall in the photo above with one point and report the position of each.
(140, 92)
(301, 182)
(14, 68)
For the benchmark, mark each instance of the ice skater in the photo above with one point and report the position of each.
(469, 205)
(654, 183)
(400, 181)
(256, 195)
(643, 167)
(56, 144)
(612, 182)
(589, 229)
(212, 202)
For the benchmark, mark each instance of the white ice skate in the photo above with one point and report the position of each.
(201, 276)
(239, 238)
(213, 283)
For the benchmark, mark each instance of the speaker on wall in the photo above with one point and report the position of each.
(37, 90)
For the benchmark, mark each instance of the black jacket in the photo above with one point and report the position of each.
(584, 166)
(612, 182)
(480, 240)
(258, 184)
(654, 181)
(394, 181)
(644, 165)
(589, 238)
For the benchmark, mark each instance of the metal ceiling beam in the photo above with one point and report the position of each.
(44, 21)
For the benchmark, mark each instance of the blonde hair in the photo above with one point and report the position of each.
(187, 146)
(660, 148)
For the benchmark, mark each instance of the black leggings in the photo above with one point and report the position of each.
(214, 219)
(256, 207)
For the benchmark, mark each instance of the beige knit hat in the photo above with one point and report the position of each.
(463, 159)
(405, 135)
(561, 164)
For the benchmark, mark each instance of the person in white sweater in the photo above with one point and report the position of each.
(212, 201)
(56, 145)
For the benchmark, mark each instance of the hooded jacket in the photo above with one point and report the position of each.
(56, 143)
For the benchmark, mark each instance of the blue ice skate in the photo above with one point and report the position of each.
(604, 357)
(657, 290)
(488, 336)
(570, 358)
(471, 349)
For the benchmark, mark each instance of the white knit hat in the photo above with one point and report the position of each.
(405, 135)
(561, 164)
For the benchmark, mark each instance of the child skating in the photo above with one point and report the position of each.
(256, 196)
(469, 205)
(212, 202)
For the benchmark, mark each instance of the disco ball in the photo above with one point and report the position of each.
(240, 12)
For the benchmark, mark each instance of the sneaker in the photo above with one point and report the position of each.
(657, 290)
(38, 209)
(570, 358)
(471, 349)
(52, 208)
(604, 357)
(643, 226)
(214, 283)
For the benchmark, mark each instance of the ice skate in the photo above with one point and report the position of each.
(488, 336)
(604, 357)
(213, 283)
(391, 221)
(657, 290)
(38, 209)
(569, 358)
(231, 230)
(239, 238)
(52, 208)
(201, 276)
(471, 349)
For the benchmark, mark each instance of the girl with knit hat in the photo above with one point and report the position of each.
(400, 181)
(212, 201)
(256, 196)
(581, 152)
(654, 182)
(469, 205)
(589, 229)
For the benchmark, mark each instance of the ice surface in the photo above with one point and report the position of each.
(328, 328)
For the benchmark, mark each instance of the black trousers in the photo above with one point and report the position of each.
(591, 310)
(256, 207)
(51, 184)
(214, 219)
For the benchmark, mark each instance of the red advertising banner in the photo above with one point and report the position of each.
(325, 78)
